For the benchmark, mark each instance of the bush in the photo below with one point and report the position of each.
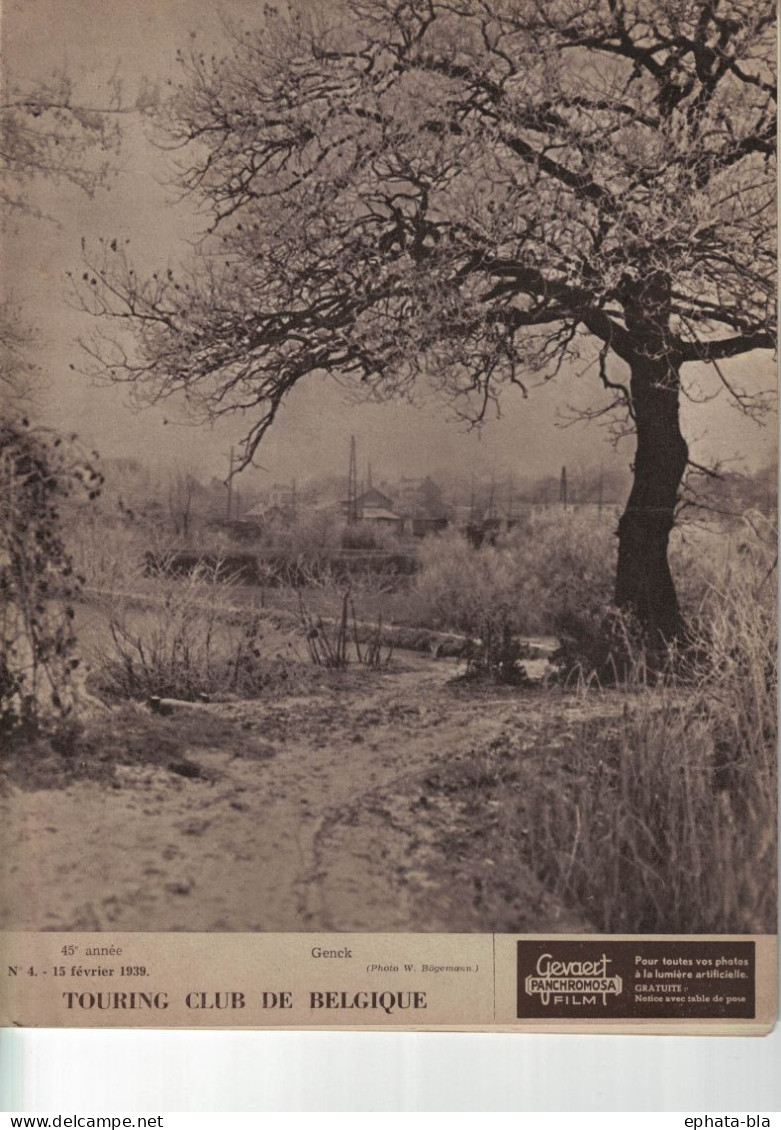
(341, 618)
(474, 592)
(311, 537)
(187, 646)
(38, 583)
(553, 577)
(111, 554)
(560, 566)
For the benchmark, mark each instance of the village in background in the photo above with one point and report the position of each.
(382, 509)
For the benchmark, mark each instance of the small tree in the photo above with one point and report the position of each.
(44, 135)
(466, 191)
(183, 489)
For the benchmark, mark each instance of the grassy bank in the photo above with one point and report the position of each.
(658, 814)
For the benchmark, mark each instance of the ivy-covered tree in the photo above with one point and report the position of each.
(38, 584)
(45, 135)
(468, 191)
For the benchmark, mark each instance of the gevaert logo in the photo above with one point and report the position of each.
(572, 982)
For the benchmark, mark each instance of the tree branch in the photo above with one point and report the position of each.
(723, 348)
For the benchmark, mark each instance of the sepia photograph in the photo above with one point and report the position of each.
(388, 520)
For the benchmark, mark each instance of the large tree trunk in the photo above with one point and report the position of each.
(644, 584)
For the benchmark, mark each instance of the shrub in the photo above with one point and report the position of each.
(187, 645)
(111, 554)
(607, 643)
(552, 577)
(311, 537)
(334, 634)
(474, 592)
(560, 565)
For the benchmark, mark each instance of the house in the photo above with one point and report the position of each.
(372, 499)
(423, 507)
(376, 509)
(381, 517)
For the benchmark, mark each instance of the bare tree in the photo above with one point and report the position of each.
(47, 134)
(183, 487)
(467, 191)
(44, 135)
(17, 373)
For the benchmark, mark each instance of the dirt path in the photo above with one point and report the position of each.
(316, 819)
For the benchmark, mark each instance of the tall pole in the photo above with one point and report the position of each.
(352, 485)
(230, 485)
(563, 486)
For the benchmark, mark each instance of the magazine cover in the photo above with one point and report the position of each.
(389, 514)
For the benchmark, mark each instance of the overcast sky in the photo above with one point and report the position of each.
(136, 40)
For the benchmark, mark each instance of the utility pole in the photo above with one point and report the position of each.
(491, 510)
(230, 484)
(352, 486)
(563, 487)
(601, 487)
(230, 509)
(509, 499)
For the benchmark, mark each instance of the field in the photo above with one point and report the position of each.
(314, 757)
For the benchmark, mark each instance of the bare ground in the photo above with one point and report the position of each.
(357, 806)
